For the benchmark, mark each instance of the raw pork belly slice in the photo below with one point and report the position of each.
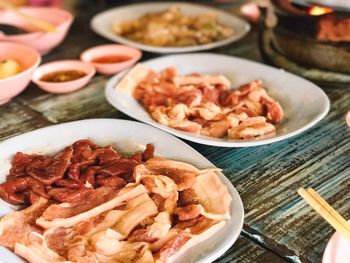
(125, 194)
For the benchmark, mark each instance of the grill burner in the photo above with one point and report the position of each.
(316, 37)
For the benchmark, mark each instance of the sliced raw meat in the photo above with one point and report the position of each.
(19, 190)
(159, 185)
(136, 210)
(182, 174)
(35, 253)
(18, 226)
(160, 227)
(133, 78)
(19, 164)
(97, 197)
(213, 196)
(70, 195)
(172, 246)
(199, 79)
(63, 209)
(55, 170)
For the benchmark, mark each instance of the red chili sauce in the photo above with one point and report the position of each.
(111, 59)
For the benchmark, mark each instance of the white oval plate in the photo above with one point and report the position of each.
(303, 102)
(337, 250)
(128, 136)
(102, 24)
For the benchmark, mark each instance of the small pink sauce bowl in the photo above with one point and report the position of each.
(42, 41)
(28, 58)
(67, 86)
(91, 54)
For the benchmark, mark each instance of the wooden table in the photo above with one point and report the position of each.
(279, 226)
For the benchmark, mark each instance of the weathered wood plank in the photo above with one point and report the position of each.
(16, 119)
(245, 251)
(88, 102)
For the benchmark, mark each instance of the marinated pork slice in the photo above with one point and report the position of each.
(164, 188)
(104, 232)
(187, 197)
(197, 225)
(172, 246)
(18, 191)
(160, 227)
(49, 172)
(212, 196)
(199, 79)
(188, 223)
(18, 226)
(182, 174)
(19, 164)
(156, 246)
(186, 125)
(102, 238)
(250, 128)
(217, 129)
(158, 185)
(65, 210)
(36, 253)
(137, 209)
(162, 218)
(274, 110)
(192, 243)
(107, 242)
(108, 221)
(119, 167)
(123, 220)
(138, 252)
(160, 164)
(130, 81)
(70, 195)
(188, 95)
(78, 250)
(203, 225)
(113, 216)
(59, 239)
(188, 212)
(207, 111)
(127, 193)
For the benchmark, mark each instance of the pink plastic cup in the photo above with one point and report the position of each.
(67, 86)
(111, 50)
(28, 58)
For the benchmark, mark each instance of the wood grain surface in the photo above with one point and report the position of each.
(279, 225)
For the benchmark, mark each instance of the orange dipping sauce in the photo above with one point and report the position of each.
(63, 76)
(111, 59)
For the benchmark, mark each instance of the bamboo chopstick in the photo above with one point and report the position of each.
(330, 209)
(326, 211)
(39, 23)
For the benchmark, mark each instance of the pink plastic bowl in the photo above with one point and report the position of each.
(42, 41)
(111, 50)
(28, 58)
(67, 86)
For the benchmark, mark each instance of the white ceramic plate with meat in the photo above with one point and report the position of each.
(128, 136)
(304, 104)
(102, 24)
